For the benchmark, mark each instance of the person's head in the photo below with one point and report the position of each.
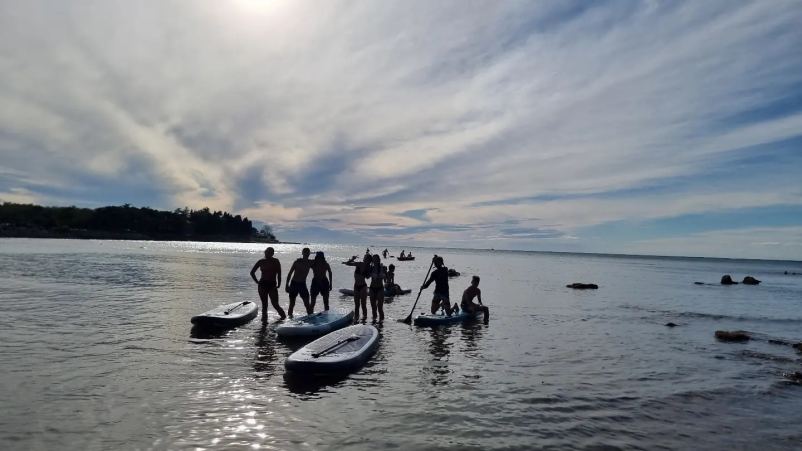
(269, 252)
(475, 281)
(392, 267)
(377, 260)
(319, 256)
(438, 262)
(305, 252)
(366, 259)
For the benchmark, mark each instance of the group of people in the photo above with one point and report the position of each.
(370, 267)
(386, 253)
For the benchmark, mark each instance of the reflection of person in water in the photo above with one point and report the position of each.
(440, 352)
(264, 363)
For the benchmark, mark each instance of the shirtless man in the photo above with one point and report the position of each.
(269, 283)
(297, 277)
(473, 291)
(440, 278)
(321, 284)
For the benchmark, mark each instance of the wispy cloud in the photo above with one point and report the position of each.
(429, 116)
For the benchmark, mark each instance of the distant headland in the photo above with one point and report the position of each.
(128, 223)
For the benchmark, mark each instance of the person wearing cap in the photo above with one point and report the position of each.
(320, 283)
(440, 279)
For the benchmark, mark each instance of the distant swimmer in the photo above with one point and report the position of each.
(384, 254)
(440, 278)
(377, 273)
(361, 273)
(297, 277)
(471, 292)
(269, 283)
(320, 283)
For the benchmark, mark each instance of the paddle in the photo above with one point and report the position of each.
(330, 348)
(236, 307)
(408, 319)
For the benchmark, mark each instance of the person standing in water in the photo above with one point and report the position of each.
(377, 274)
(361, 272)
(320, 284)
(471, 292)
(440, 278)
(269, 283)
(384, 254)
(297, 277)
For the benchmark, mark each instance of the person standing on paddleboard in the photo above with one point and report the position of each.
(377, 273)
(297, 277)
(320, 284)
(269, 283)
(361, 272)
(440, 278)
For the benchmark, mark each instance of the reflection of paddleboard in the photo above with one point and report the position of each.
(438, 319)
(346, 291)
(316, 324)
(230, 315)
(341, 351)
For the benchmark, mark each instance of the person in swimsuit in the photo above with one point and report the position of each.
(297, 277)
(361, 272)
(440, 278)
(389, 282)
(269, 283)
(471, 292)
(377, 273)
(402, 254)
(384, 254)
(320, 284)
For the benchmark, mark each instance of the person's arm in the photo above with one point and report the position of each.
(278, 274)
(351, 262)
(429, 282)
(253, 271)
(479, 296)
(289, 276)
(331, 276)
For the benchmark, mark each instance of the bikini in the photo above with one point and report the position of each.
(358, 288)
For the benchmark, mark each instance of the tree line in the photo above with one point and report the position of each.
(128, 219)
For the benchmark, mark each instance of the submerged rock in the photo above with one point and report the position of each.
(698, 283)
(749, 280)
(583, 286)
(795, 377)
(453, 273)
(798, 346)
(737, 335)
(727, 280)
(671, 325)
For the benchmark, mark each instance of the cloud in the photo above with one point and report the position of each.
(455, 114)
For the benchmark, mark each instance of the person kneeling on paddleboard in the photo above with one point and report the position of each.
(473, 291)
(320, 284)
(440, 278)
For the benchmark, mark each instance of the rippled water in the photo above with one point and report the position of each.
(98, 353)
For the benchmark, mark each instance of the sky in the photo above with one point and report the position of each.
(635, 127)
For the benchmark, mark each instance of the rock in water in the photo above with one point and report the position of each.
(749, 280)
(738, 335)
(727, 280)
(583, 286)
(698, 283)
(798, 346)
(671, 325)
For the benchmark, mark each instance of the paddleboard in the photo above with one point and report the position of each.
(229, 315)
(441, 318)
(403, 292)
(342, 351)
(316, 324)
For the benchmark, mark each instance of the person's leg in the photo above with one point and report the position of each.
(373, 298)
(263, 297)
(293, 295)
(363, 299)
(274, 301)
(357, 290)
(325, 293)
(313, 292)
(304, 292)
(380, 305)
(435, 304)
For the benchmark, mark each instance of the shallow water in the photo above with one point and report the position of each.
(98, 353)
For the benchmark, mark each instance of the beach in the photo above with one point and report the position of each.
(99, 353)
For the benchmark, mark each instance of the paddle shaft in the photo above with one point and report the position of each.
(408, 319)
(236, 307)
(339, 343)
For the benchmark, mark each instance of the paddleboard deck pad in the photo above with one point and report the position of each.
(229, 315)
(342, 351)
(316, 324)
(440, 319)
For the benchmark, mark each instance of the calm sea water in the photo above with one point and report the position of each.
(98, 353)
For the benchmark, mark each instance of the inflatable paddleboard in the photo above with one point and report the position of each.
(229, 315)
(342, 351)
(440, 318)
(316, 324)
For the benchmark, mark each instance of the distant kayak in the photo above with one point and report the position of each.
(342, 351)
(229, 315)
(403, 259)
(315, 324)
(439, 319)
